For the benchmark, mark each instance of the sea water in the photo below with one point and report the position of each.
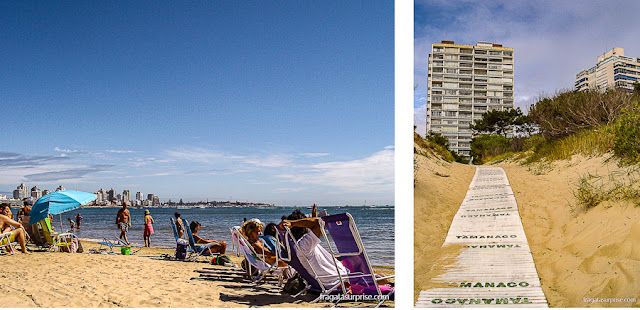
(375, 225)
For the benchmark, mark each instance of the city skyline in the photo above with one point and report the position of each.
(284, 103)
(553, 40)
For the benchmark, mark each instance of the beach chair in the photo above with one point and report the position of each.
(257, 267)
(196, 251)
(116, 243)
(361, 279)
(45, 238)
(349, 248)
(6, 245)
(291, 257)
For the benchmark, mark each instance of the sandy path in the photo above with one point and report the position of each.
(493, 264)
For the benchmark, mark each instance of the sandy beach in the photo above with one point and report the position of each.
(146, 279)
(580, 254)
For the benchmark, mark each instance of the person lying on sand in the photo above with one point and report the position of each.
(252, 230)
(16, 234)
(307, 232)
(220, 248)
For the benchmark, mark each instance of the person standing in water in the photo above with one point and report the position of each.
(148, 228)
(78, 220)
(123, 220)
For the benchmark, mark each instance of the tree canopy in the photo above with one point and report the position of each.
(501, 122)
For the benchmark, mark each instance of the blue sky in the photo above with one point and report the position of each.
(552, 40)
(281, 102)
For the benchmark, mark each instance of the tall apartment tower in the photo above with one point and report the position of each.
(126, 196)
(465, 81)
(612, 70)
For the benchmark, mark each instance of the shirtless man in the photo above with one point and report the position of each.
(23, 212)
(16, 234)
(123, 220)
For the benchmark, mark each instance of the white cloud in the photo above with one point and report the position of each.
(315, 154)
(120, 151)
(57, 149)
(371, 174)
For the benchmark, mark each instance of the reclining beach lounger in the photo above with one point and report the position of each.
(49, 240)
(349, 249)
(256, 262)
(196, 250)
(117, 243)
(314, 285)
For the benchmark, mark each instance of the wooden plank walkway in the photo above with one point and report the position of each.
(490, 264)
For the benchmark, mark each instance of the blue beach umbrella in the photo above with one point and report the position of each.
(58, 202)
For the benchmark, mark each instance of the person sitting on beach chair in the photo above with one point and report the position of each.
(12, 235)
(220, 247)
(307, 232)
(179, 225)
(270, 239)
(252, 231)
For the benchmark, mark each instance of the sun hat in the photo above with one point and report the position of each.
(146, 212)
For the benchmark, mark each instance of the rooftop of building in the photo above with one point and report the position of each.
(479, 45)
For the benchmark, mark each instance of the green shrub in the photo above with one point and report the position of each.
(626, 143)
(531, 143)
(485, 146)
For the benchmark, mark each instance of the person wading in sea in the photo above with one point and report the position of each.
(123, 220)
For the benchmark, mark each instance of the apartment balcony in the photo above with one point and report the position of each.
(465, 108)
(480, 86)
(480, 66)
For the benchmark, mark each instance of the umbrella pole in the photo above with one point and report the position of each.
(61, 228)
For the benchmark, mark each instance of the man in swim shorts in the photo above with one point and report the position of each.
(123, 220)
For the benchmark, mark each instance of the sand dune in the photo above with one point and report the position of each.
(579, 254)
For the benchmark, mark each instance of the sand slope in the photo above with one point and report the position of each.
(579, 253)
(439, 190)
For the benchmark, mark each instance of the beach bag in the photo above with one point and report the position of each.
(221, 260)
(181, 249)
(294, 285)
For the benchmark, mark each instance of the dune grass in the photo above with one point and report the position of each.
(590, 142)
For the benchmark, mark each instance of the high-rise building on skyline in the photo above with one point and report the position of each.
(139, 196)
(35, 192)
(111, 195)
(613, 70)
(21, 192)
(126, 196)
(465, 81)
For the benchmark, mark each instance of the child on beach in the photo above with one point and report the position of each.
(148, 228)
(71, 223)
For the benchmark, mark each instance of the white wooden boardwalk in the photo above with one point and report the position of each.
(493, 266)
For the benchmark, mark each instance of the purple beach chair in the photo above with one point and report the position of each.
(348, 249)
